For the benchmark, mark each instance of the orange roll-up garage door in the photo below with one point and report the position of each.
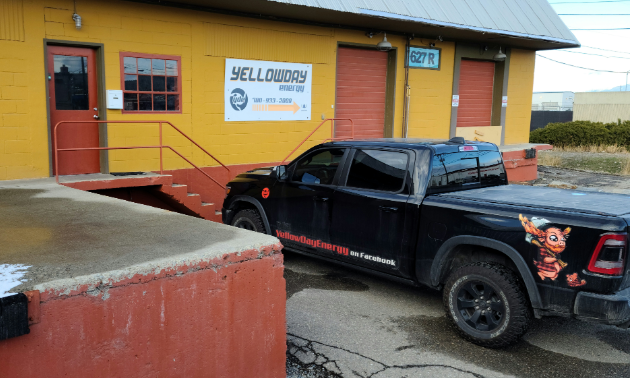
(476, 79)
(361, 82)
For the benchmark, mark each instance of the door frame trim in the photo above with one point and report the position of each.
(390, 83)
(99, 58)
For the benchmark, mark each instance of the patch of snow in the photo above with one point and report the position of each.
(10, 277)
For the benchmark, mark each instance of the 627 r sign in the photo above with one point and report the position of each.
(421, 57)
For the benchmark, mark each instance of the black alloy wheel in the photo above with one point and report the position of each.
(480, 306)
(248, 219)
(487, 304)
(245, 224)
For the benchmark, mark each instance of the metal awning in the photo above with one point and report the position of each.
(530, 24)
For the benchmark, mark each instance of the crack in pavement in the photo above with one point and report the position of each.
(305, 351)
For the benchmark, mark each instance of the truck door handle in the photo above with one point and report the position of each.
(320, 199)
(388, 209)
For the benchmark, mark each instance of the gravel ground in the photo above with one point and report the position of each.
(581, 180)
(299, 369)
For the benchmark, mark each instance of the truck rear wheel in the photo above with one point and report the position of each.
(487, 304)
(248, 219)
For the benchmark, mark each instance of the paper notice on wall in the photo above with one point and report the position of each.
(504, 102)
(267, 91)
(455, 101)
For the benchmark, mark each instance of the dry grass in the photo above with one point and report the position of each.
(593, 162)
(613, 149)
(551, 160)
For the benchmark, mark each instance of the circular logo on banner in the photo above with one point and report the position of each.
(238, 99)
(265, 193)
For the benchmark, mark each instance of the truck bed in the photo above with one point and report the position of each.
(549, 198)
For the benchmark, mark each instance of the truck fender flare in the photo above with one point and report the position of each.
(444, 253)
(256, 203)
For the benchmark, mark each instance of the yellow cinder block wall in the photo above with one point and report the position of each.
(520, 87)
(203, 41)
(430, 100)
(23, 125)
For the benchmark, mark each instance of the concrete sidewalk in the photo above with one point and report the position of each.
(67, 234)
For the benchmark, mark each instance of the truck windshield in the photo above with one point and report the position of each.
(466, 170)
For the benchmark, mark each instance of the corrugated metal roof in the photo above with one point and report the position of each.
(533, 19)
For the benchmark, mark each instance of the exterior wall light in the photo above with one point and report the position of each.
(384, 45)
(77, 21)
(500, 56)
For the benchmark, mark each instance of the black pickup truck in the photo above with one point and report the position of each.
(441, 214)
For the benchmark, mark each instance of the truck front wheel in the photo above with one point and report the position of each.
(249, 219)
(487, 304)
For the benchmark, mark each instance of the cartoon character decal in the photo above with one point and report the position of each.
(573, 280)
(551, 242)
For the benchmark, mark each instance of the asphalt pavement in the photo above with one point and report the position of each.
(344, 323)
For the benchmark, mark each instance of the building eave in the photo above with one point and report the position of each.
(369, 20)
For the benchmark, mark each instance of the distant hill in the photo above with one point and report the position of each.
(619, 88)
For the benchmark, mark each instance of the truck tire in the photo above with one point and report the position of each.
(487, 304)
(249, 219)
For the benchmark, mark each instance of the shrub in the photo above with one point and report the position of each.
(583, 133)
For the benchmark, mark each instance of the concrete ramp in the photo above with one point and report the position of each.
(121, 289)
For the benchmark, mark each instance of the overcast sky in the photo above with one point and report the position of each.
(551, 76)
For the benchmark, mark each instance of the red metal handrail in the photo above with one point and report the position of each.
(161, 147)
(332, 134)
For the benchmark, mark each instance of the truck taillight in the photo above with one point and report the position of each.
(610, 255)
(227, 190)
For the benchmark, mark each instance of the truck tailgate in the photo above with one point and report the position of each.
(549, 198)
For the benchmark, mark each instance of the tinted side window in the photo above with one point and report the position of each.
(319, 167)
(491, 168)
(378, 170)
(465, 170)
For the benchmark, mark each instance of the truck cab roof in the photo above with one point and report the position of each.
(439, 146)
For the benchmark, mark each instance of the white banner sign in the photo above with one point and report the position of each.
(267, 91)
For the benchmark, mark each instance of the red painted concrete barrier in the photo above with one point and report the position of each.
(517, 167)
(223, 317)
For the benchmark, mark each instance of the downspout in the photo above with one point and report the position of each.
(407, 90)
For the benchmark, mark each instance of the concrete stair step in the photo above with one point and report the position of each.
(208, 210)
(193, 201)
(175, 190)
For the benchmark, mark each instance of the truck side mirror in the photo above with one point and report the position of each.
(281, 172)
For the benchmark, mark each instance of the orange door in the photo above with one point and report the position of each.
(72, 97)
(361, 83)
(476, 79)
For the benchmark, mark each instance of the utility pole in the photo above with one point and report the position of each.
(627, 81)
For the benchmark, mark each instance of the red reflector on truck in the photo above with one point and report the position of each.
(468, 148)
(609, 255)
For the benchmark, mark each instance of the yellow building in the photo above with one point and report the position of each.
(446, 72)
